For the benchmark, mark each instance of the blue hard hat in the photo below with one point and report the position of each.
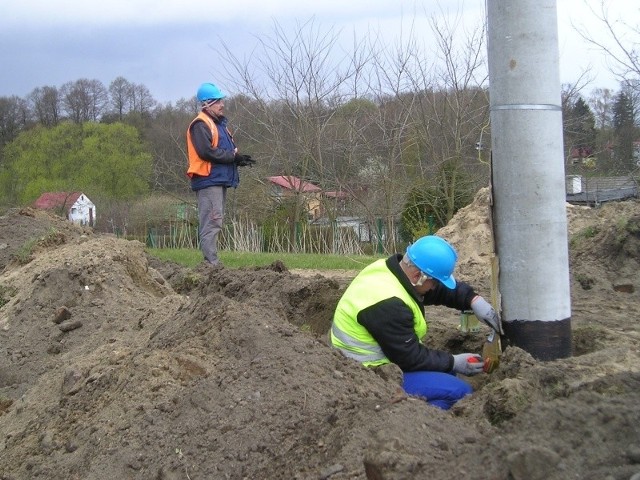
(435, 257)
(208, 91)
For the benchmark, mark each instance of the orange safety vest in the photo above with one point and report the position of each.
(197, 166)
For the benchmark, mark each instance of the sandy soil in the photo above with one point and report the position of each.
(119, 366)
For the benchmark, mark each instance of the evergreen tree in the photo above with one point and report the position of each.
(584, 138)
(624, 130)
(580, 135)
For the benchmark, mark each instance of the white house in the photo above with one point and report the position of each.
(75, 206)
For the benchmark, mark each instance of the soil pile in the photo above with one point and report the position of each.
(116, 365)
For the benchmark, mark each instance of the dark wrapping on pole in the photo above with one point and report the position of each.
(543, 340)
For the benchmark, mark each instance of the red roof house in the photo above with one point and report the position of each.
(287, 186)
(295, 184)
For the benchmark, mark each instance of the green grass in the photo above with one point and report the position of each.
(5, 294)
(23, 254)
(191, 258)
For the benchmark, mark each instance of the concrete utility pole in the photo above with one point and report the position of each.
(529, 213)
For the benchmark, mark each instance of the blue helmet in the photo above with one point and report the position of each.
(208, 91)
(435, 257)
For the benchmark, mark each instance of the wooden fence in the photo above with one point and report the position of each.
(248, 237)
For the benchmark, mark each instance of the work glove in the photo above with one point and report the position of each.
(487, 314)
(244, 160)
(462, 364)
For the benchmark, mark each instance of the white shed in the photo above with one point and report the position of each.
(75, 206)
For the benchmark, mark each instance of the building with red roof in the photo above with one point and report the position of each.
(286, 186)
(74, 206)
(293, 184)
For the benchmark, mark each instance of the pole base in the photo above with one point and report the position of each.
(544, 340)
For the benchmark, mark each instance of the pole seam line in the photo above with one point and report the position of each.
(526, 106)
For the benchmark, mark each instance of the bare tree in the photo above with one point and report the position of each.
(371, 122)
(620, 42)
(121, 95)
(601, 102)
(294, 83)
(99, 99)
(454, 116)
(166, 137)
(434, 117)
(142, 101)
(84, 100)
(386, 172)
(75, 101)
(14, 117)
(46, 105)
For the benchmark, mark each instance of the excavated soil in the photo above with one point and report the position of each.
(118, 366)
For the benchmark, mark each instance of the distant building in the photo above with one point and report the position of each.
(286, 186)
(339, 199)
(360, 226)
(74, 206)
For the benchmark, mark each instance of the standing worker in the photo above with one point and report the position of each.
(213, 166)
(380, 319)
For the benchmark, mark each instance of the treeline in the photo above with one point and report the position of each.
(113, 142)
(601, 136)
(394, 139)
(364, 148)
(79, 101)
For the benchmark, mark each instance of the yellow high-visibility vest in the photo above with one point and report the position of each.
(372, 285)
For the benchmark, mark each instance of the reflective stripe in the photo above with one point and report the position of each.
(375, 352)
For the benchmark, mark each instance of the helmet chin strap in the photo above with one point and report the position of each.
(423, 278)
(214, 116)
(210, 113)
(407, 267)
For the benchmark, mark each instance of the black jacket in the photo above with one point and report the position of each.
(390, 323)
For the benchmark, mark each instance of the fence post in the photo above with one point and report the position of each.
(151, 238)
(298, 236)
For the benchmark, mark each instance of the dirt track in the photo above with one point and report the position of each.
(161, 372)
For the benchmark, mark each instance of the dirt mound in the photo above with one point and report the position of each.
(469, 231)
(25, 231)
(121, 366)
(611, 246)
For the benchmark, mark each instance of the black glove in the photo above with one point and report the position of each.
(244, 160)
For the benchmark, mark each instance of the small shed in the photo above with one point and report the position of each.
(75, 206)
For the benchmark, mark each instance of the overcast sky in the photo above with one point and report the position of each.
(167, 45)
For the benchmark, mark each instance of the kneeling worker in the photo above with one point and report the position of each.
(380, 319)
